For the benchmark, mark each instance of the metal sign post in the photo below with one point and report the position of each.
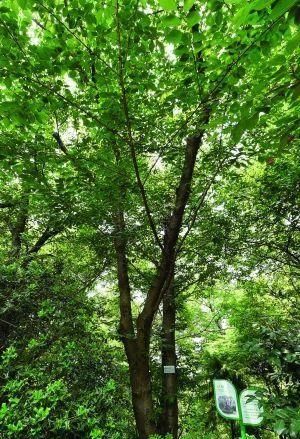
(243, 431)
(242, 426)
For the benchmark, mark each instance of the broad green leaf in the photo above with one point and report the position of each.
(170, 21)
(25, 4)
(241, 16)
(168, 5)
(261, 4)
(279, 427)
(294, 43)
(237, 133)
(219, 18)
(281, 7)
(174, 36)
(188, 4)
(278, 60)
(197, 47)
(180, 50)
(197, 37)
(193, 18)
(252, 122)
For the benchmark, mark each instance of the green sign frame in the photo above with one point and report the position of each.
(230, 418)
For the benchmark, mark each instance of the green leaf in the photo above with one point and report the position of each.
(197, 37)
(171, 20)
(237, 133)
(252, 122)
(219, 18)
(294, 43)
(3, 410)
(261, 4)
(96, 433)
(296, 91)
(42, 413)
(193, 18)
(180, 50)
(168, 5)
(174, 37)
(24, 4)
(281, 7)
(197, 47)
(278, 60)
(241, 16)
(295, 427)
(38, 395)
(279, 427)
(188, 4)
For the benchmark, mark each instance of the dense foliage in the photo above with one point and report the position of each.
(101, 105)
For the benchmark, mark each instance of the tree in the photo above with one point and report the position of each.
(153, 104)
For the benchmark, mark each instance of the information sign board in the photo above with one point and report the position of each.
(226, 399)
(252, 412)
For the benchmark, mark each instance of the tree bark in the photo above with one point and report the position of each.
(169, 400)
(142, 401)
(18, 228)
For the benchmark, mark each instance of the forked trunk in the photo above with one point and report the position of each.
(136, 337)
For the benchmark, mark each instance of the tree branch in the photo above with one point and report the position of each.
(130, 136)
(46, 235)
(60, 143)
(77, 166)
(126, 327)
(163, 277)
(200, 203)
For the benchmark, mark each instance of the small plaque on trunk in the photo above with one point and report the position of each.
(169, 369)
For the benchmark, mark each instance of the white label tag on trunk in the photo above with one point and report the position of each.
(169, 369)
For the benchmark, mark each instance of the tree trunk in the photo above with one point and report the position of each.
(136, 343)
(169, 401)
(140, 381)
